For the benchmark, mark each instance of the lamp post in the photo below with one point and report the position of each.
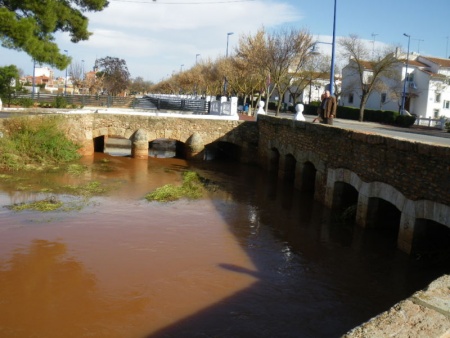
(65, 80)
(225, 81)
(181, 68)
(34, 78)
(228, 38)
(333, 47)
(196, 58)
(406, 76)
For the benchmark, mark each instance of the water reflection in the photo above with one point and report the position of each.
(47, 293)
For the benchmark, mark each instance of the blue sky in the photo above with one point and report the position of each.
(156, 37)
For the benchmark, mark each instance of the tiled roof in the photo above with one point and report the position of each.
(441, 62)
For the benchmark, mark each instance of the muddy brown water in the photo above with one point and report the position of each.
(254, 259)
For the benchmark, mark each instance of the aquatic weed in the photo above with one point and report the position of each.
(191, 188)
(48, 204)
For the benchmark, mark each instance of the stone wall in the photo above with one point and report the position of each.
(83, 128)
(420, 171)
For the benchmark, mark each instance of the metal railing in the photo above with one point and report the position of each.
(200, 106)
(83, 100)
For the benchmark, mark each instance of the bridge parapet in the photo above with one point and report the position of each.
(413, 177)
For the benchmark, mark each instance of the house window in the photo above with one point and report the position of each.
(446, 104)
(437, 98)
(410, 77)
(383, 97)
(436, 113)
(350, 98)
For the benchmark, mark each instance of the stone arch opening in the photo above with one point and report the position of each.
(113, 145)
(343, 207)
(222, 151)
(99, 144)
(274, 160)
(308, 178)
(166, 148)
(345, 198)
(431, 241)
(384, 217)
(289, 168)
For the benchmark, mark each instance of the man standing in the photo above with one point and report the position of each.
(328, 108)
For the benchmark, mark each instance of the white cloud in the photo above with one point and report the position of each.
(156, 38)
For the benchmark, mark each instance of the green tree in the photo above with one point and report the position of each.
(9, 80)
(115, 74)
(30, 26)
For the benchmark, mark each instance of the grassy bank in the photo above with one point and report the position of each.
(32, 143)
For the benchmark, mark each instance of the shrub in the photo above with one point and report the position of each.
(25, 102)
(60, 102)
(405, 120)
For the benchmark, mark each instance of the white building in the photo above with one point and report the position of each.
(427, 87)
(312, 89)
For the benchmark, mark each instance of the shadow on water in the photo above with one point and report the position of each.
(322, 278)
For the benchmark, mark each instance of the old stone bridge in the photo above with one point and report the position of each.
(396, 184)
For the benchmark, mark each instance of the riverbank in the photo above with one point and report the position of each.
(425, 314)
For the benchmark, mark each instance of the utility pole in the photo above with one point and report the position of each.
(373, 45)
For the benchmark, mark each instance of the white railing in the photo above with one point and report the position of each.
(432, 123)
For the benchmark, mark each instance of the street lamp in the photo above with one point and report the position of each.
(65, 80)
(181, 68)
(333, 50)
(196, 56)
(333, 47)
(228, 38)
(402, 110)
(34, 78)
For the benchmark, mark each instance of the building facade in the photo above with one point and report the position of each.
(423, 81)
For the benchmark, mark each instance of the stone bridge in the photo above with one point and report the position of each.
(196, 134)
(394, 184)
(399, 185)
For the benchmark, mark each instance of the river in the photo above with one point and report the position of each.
(256, 258)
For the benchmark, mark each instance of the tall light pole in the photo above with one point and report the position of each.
(228, 38)
(82, 75)
(181, 68)
(333, 48)
(65, 80)
(34, 78)
(406, 76)
(225, 81)
(196, 57)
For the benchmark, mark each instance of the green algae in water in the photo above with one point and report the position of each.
(49, 204)
(191, 188)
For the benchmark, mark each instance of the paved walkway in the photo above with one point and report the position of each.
(414, 133)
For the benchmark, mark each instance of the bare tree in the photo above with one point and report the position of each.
(252, 52)
(288, 51)
(364, 74)
(139, 85)
(76, 74)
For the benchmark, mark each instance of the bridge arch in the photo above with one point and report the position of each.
(370, 192)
